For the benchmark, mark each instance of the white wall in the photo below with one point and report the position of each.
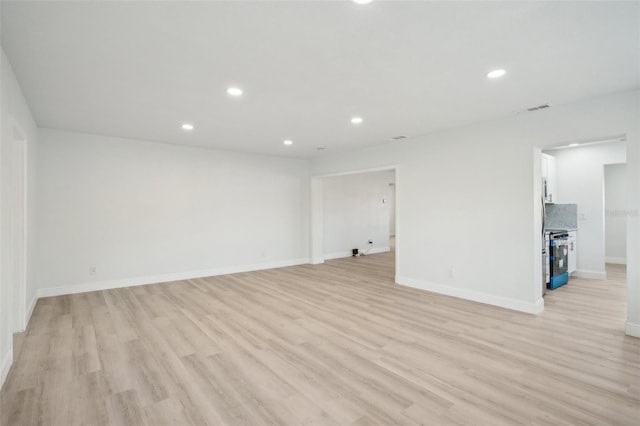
(633, 219)
(392, 210)
(14, 112)
(354, 213)
(580, 180)
(145, 212)
(467, 199)
(615, 213)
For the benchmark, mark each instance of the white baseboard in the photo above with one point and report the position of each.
(632, 329)
(616, 260)
(155, 279)
(378, 250)
(317, 260)
(489, 299)
(6, 366)
(342, 254)
(30, 309)
(591, 275)
(337, 255)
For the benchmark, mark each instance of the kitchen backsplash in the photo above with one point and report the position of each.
(561, 216)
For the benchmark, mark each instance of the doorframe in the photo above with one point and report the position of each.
(18, 247)
(630, 329)
(538, 232)
(316, 247)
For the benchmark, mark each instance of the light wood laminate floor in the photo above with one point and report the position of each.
(337, 343)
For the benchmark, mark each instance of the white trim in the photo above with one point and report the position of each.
(19, 147)
(616, 260)
(341, 254)
(489, 299)
(6, 366)
(156, 279)
(317, 261)
(337, 255)
(591, 275)
(632, 329)
(377, 250)
(32, 306)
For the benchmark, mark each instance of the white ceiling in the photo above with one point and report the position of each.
(141, 69)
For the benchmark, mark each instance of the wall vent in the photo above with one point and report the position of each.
(539, 107)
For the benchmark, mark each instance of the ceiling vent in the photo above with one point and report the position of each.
(397, 138)
(539, 107)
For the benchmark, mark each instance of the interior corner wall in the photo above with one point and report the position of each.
(14, 111)
(467, 205)
(632, 327)
(615, 213)
(580, 180)
(142, 212)
(356, 209)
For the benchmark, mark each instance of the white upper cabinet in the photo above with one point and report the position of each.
(549, 178)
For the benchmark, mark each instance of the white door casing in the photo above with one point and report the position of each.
(18, 232)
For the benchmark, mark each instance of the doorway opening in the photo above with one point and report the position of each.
(615, 214)
(583, 187)
(355, 214)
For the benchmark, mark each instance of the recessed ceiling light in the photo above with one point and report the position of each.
(356, 120)
(574, 144)
(187, 126)
(320, 148)
(496, 73)
(362, 1)
(234, 91)
(287, 142)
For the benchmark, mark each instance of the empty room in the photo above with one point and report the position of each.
(349, 212)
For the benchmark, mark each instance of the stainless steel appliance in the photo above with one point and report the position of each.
(558, 258)
(546, 267)
(555, 255)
